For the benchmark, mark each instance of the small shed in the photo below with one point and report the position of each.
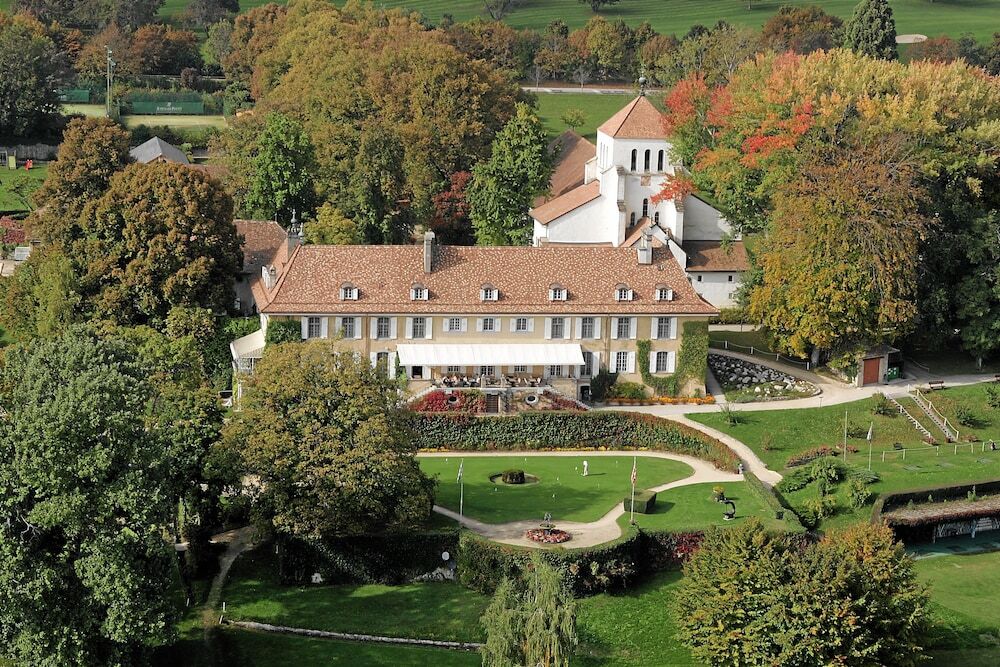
(880, 364)
(158, 150)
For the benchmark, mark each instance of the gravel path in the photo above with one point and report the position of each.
(589, 534)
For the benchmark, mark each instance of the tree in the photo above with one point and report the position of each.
(872, 30)
(531, 621)
(87, 488)
(161, 236)
(93, 60)
(497, 9)
(160, 49)
(750, 598)
(88, 13)
(33, 69)
(325, 433)
(41, 298)
(802, 29)
(331, 227)
(503, 187)
(218, 46)
(595, 5)
(253, 33)
(282, 167)
(451, 221)
(92, 151)
(203, 13)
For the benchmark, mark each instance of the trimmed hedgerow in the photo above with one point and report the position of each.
(644, 502)
(765, 494)
(530, 431)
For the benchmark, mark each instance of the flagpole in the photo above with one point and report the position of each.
(461, 486)
(631, 518)
(845, 435)
(870, 429)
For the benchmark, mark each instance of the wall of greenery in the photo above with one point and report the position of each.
(692, 361)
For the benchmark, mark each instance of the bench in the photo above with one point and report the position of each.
(935, 384)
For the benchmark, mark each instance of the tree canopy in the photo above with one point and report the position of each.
(324, 432)
(34, 68)
(871, 31)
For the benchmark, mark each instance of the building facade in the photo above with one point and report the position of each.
(615, 200)
(489, 317)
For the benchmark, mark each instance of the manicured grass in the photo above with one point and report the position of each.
(952, 362)
(596, 109)
(172, 8)
(693, 508)
(10, 202)
(562, 489)
(445, 611)
(972, 397)
(757, 339)
(170, 120)
(634, 629)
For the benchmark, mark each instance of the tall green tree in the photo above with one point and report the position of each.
(86, 487)
(42, 297)
(331, 227)
(325, 433)
(282, 167)
(33, 70)
(503, 187)
(531, 620)
(871, 31)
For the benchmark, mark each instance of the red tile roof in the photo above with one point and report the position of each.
(261, 241)
(638, 120)
(572, 154)
(384, 275)
(715, 256)
(567, 202)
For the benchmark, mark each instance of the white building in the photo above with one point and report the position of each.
(606, 195)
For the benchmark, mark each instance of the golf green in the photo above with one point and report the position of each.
(561, 490)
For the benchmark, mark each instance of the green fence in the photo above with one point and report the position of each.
(75, 95)
(167, 107)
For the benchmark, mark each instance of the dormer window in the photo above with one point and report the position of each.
(418, 293)
(664, 294)
(488, 293)
(348, 292)
(557, 293)
(623, 293)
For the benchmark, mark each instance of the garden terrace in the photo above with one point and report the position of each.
(931, 513)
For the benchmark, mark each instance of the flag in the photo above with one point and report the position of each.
(870, 432)
(634, 471)
(460, 467)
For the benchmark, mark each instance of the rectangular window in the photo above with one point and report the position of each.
(555, 371)
(587, 327)
(454, 324)
(624, 328)
(520, 369)
(557, 294)
(455, 369)
(489, 294)
(664, 294)
(382, 361)
(417, 372)
(488, 371)
(623, 294)
(699, 278)
(419, 294)
(558, 327)
(730, 279)
(348, 327)
(419, 328)
(662, 359)
(621, 362)
(382, 327)
(521, 324)
(588, 365)
(349, 293)
(314, 328)
(489, 324)
(663, 327)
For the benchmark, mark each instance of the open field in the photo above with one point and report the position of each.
(187, 122)
(562, 489)
(10, 202)
(596, 109)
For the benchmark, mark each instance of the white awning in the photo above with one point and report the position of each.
(538, 354)
(250, 346)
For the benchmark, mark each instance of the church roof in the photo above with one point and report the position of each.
(716, 256)
(638, 120)
(566, 202)
(572, 152)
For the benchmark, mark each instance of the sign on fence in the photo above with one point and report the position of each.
(168, 107)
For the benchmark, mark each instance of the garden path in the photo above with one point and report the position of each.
(589, 534)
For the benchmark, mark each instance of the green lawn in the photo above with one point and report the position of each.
(972, 397)
(952, 362)
(596, 109)
(11, 202)
(693, 508)
(561, 490)
(176, 121)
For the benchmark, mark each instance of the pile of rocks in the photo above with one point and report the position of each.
(747, 377)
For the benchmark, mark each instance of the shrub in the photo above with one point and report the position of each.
(810, 455)
(826, 469)
(644, 501)
(821, 507)
(730, 316)
(601, 383)
(767, 442)
(966, 417)
(730, 414)
(858, 493)
(532, 431)
(855, 430)
(283, 331)
(459, 401)
(512, 476)
(765, 494)
(881, 405)
(993, 396)
(795, 480)
(629, 390)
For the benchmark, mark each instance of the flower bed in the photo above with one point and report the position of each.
(664, 400)
(548, 535)
(810, 455)
(456, 401)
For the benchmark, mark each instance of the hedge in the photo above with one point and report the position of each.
(644, 501)
(532, 431)
(765, 494)
(891, 500)
(389, 558)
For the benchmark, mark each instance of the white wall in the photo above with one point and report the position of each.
(715, 287)
(702, 222)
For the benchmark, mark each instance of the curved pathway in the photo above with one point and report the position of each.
(588, 534)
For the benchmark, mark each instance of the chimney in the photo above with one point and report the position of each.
(645, 250)
(428, 252)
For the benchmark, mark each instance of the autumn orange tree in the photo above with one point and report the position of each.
(872, 185)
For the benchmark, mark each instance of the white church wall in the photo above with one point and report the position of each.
(702, 222)
(716, 288)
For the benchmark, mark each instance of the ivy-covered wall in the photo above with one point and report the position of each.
(692, 362)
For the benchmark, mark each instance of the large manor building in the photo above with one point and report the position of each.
(606, 195)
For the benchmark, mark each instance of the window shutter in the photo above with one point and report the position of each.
(409, 327)
(428, 327)
(597, 364)
(338, 324)
(673, 328)
(513, 324)
(357, 326)
(392, 327)
(631, 362)
(373, 358)
(391, 362)
(324, 327)
(479, 324)
(614, 328)
(654, 328)
(631, 295)
(671, 361)
(531, 324)
(597, 327)
(579, 327)
(465, 324)
(633, 323)
(652, 361)
(305, 328)
(548, 327)
(373, 327)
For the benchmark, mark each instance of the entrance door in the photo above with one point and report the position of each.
(871, 371)
(492, 404)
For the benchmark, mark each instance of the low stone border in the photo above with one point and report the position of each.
(348, 636)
